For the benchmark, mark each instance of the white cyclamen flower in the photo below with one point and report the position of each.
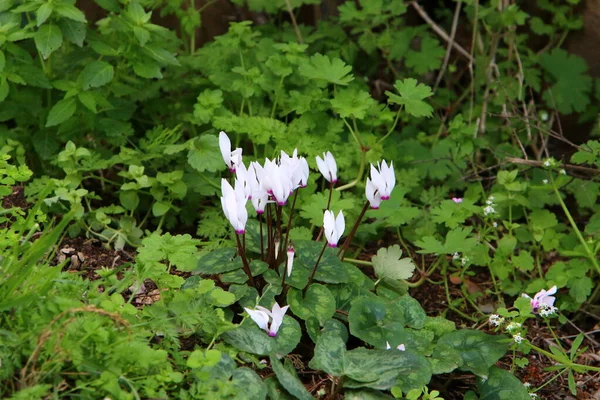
(276, 180)
(233, 202)
(400, 347)
(328, 167)
(333, 227)
(372, 194)
(384, 179)
(290, 259)
(298, 168)
(542, 297)
(263, 315)
(232, 158)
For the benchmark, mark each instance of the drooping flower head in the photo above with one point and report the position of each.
(232, 158)
(262, 316)
(542, 298)
(233, 201)
(383, 179)
(328, 167)
(333, 227)
(290, 259)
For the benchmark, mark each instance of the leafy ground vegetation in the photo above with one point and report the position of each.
(368, 199)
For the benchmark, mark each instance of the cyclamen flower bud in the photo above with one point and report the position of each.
(328, 167)
(333, 227)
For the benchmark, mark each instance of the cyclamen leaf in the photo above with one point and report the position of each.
(321, 68)
(411, 97)
(388, 264)
(289, 381)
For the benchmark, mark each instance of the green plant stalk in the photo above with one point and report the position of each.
(389, 132)
(570, 365)
(363, 158)
(289, 224)
(245, 264)
(314, 271)
(331, 184)
(448, 300)
(349, 238)
(575, 228)
(554, 335)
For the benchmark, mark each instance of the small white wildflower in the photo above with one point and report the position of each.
(545, 181)
(546, 310)
(513, 326)
(547, 163)
(544, 115)
(496, 320)
(491, 198)
(464, 261)
(489, 210)
(562, 172)
(518, 338)
(495, 224)
(534, 396)
(455, 256)
(527, 384)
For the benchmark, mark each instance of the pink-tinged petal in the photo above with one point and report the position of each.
(290, 261)
(332, 166)
(552, 290)
(401, 347)
(261, 318)
(277, 315)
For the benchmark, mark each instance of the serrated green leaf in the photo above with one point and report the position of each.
(88, 100)
(70, 12)
(96, 74)
(205, 154)
(411, 97)
(388, 264)
(326, 70)
(73, 31)
(61, 111)
(572, 88)
(43, 13)
(48, 39)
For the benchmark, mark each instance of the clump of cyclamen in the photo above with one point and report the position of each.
(277, 179)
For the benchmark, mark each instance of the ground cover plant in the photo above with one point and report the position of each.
(341, 199)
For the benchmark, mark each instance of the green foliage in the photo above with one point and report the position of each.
(108, 130)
